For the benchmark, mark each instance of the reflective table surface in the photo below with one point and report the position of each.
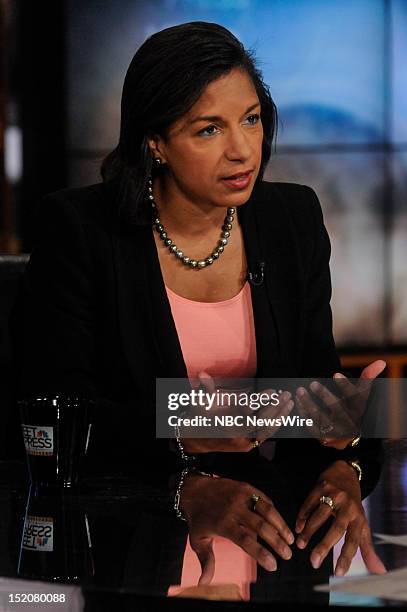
(116, 544)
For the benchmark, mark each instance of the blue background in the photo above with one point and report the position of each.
(337, 72)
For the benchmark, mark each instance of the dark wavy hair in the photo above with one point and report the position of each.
(165, 78)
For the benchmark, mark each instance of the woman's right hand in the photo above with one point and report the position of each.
(238, 444)
(222, 507)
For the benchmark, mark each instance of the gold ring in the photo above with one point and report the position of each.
(254, 499)
(325, 499)
(256, 444)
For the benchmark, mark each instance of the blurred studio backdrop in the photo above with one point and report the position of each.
(337, 72)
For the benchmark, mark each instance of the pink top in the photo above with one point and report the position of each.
(216, 337)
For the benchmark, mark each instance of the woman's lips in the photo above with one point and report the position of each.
(239, 183)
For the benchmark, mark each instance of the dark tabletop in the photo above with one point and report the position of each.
(116, 544)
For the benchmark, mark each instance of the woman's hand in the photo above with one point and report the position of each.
(341, 484)
(239, 443)
(346, 413)
(223, 507)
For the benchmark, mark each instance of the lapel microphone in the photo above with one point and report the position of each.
(256, 277)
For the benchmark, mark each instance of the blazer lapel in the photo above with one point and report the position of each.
(162, 322)
(147, 328)
(265, 327)
(276, 244)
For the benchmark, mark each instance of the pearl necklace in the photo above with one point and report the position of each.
(187, 261)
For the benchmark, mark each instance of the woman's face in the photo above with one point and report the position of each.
(219, 137)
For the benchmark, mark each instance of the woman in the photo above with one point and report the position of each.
(119, 292)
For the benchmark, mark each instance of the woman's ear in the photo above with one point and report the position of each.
(155, 144)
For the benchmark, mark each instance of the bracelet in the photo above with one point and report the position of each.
(355, 465)
(177, 498)
(184, 456)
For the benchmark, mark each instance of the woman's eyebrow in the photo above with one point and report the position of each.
(217, 117)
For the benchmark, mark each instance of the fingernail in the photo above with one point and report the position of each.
(315, 386)
(339, 571)
(301, 391)
(290, 538)
(301, 543)
(298, 528)
(339, 375)
(285, 396)
(287, 554)
(290, 405)
(316, 561)
(270, 564)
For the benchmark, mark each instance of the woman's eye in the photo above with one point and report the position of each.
(205, 131)
(256, 118)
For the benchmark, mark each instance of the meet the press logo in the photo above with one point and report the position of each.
(39, 533)
(38, 440)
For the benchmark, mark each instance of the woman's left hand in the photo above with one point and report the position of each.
(343, 423)
(341, 484)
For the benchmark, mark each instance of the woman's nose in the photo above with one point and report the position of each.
(237, 145)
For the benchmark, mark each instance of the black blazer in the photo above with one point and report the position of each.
(93, 315)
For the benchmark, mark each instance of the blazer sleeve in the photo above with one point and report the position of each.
(320, 358)
(55, 339)
(53, 317)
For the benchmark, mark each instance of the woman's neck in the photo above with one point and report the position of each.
(182, 216)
